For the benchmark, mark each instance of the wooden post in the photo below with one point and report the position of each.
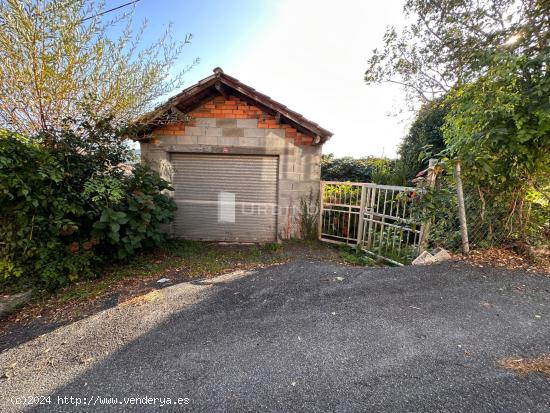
(361, 216)
(430, 183)
(461, 209)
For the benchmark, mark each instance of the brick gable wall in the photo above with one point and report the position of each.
(233, 108)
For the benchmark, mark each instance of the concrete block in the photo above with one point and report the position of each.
(186, 140)
(226, 123)
(208, 122)
(255, 142)
(207, 140)
(441, 255)
(274, 142)
(247, 123)
(168, 140)
(276, 132)
(228, 141)
(213, 131)
(254, 133)
(195, 130)
(285, 186)
(424, 259)
(233, 132)
(292, 176)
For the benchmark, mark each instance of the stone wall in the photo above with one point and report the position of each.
(230, 125)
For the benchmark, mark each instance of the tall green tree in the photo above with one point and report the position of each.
(490, 62)
(450, 43)
(424, 139)
(57, 53)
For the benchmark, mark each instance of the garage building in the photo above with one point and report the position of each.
(241, 163)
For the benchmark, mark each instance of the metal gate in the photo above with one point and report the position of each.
(376, 218)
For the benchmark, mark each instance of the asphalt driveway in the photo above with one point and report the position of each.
(303, 336)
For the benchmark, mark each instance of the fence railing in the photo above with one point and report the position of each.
(376, 218)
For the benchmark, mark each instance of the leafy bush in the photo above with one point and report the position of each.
(66, 206)
(369, 169)
(38, 221)
(134, 222)
(424, 138)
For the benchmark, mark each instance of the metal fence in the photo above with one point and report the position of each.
(376, 218)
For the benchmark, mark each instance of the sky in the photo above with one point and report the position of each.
(310, 55)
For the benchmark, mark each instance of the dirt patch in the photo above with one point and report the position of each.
(535, 261)
(525, 366)
(143, 299)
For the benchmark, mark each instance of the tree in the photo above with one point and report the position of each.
(58, 53)
(424, 139)
(452, 42)
(367, 169)
(490, 63)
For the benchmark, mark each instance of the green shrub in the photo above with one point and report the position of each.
(368, 169)
(65, 206)
(134, 222)
(37, 220)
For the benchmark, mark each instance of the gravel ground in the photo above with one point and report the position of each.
(302, 336)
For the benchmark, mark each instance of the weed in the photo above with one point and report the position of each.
(354, 257)
(273, 247)
(308, 216)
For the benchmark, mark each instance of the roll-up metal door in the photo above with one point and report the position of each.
(225, 197)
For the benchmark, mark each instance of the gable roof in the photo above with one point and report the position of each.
(221, 84)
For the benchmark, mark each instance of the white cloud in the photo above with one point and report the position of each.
(312, 58)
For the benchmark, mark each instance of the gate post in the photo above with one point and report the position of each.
(361, 216)
(372, 202)
(321, 201)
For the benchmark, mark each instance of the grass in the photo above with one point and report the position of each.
(191, 258)
(353, 256)
(177, 260)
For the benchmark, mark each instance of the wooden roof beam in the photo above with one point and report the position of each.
(222, 89)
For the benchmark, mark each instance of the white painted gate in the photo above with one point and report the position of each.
(376, 218)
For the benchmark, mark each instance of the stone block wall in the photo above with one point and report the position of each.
(231, 125)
